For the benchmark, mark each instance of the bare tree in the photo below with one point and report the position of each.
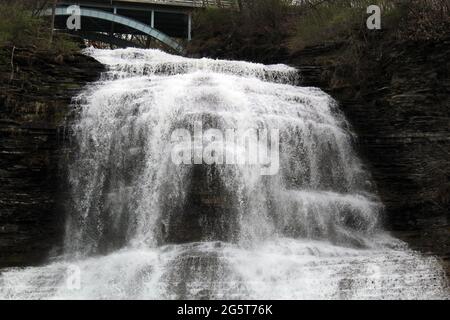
(52, 26)
(40, 6)
(240, 5)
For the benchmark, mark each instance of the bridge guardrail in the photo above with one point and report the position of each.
(182, 3)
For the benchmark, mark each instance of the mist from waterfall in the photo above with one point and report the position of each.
(140, 226)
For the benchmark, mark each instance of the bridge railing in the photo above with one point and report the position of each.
(185, 3)
(212, 3)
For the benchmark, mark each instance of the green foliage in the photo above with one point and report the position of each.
(333, 20)
(17, 25)
(21, 27)
(336, 20)
(64, 44)
(263, 30)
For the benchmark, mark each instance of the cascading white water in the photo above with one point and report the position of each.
(142, 227)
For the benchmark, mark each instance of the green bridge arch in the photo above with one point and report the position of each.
(128, 22)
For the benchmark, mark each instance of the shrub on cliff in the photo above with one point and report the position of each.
(324, 21)
(424, 20)
(264, 30)
(255, 31)
(18, 26)
(340, 20)
(21, 26)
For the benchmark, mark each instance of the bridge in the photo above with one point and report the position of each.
(137, 23)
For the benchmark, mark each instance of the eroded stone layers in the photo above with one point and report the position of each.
(399, 106)
(34, 103)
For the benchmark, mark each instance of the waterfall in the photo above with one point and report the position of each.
(143, 226)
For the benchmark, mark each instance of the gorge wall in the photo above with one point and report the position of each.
(397, 97)
(34, 101)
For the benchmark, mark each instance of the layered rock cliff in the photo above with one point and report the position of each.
(37, 88)
(397, 97)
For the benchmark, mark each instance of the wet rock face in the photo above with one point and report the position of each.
(209, 212)
(34, 103)
(400, 110)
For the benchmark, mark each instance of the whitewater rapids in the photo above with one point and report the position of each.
(141, 227)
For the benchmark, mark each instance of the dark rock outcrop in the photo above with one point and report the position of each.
(397, 98)
(36, 91)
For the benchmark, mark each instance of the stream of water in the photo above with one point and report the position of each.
(140, 226)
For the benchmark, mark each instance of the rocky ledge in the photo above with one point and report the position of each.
(35, 97)
(397, 97)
